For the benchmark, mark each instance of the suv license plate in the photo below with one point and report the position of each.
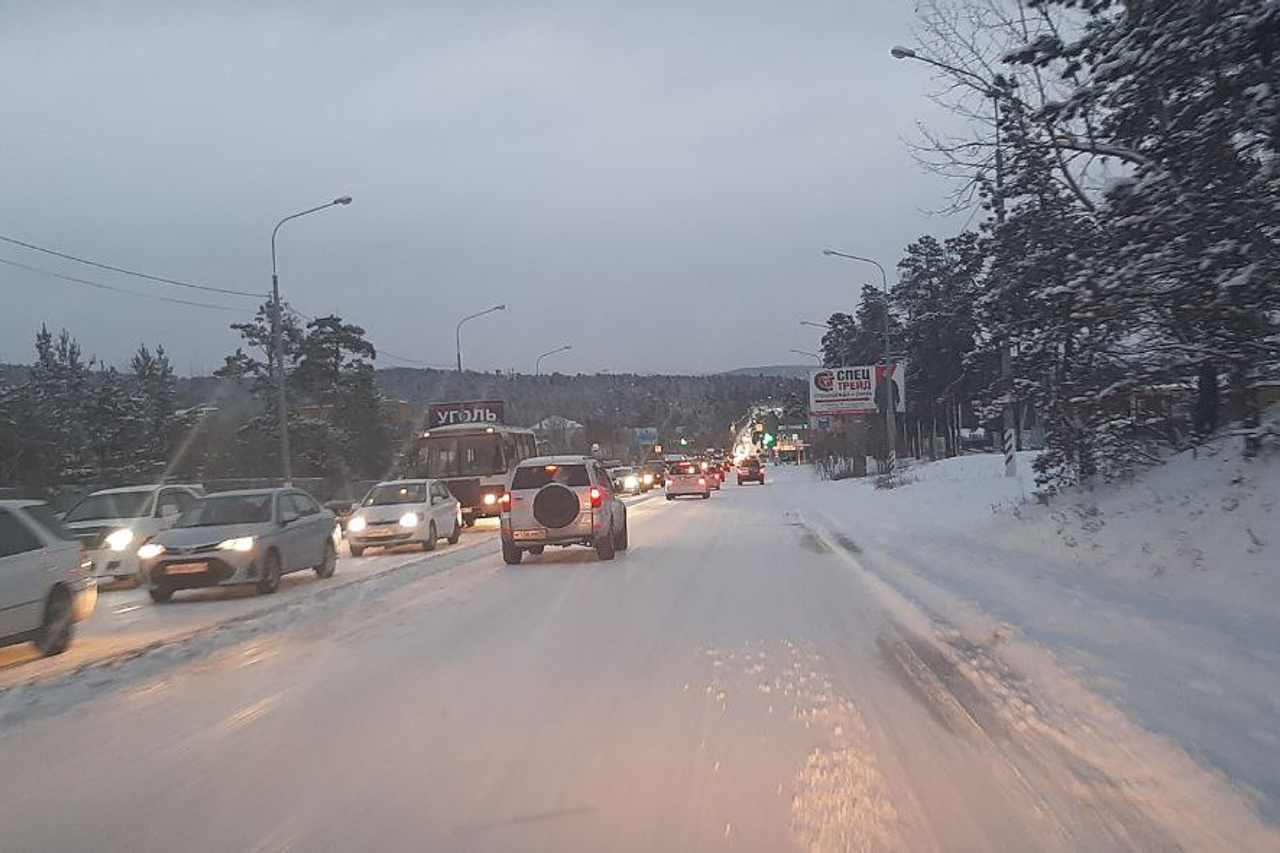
(530, 534)
(184, 568)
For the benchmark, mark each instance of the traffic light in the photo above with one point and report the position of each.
(684, 442)
(768, 439)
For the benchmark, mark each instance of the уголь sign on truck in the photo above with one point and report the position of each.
(464, 412)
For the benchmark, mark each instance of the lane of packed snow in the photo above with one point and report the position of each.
(1159, 595)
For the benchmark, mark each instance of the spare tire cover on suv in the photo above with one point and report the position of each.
(555, 506)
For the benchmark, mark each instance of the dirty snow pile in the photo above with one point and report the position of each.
(1160, 594)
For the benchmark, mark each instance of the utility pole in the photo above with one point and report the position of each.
(277, 343)
(993, 91)
(457, 334)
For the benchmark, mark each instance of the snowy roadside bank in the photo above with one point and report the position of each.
(1158, 596)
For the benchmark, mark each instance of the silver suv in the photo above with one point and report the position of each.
(561, 500)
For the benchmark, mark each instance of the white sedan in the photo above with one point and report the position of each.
(45, 581)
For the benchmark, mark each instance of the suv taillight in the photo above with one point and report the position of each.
(702, 481)
(597, 497)
(505, 501)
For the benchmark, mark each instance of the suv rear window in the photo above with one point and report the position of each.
(686, 468)
(537, 476)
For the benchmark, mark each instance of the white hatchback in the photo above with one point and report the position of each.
(45, 585)
(403, 512)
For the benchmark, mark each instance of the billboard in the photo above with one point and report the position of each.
(464, 412)
(855, 390)
(644, 435)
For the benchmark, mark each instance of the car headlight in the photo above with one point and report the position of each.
(357, 524)
(150, 551)
(120, 539)
(630, 482)
(489, 499)
(409, 519)
(239, 543)
(648, 479)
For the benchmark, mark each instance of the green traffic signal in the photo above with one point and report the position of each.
(768, 439)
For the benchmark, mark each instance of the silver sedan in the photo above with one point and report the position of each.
(249, 537)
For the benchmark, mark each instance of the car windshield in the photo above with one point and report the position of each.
(135, 504)
(620, 472)
(389, 494)
(227, 509)
(44, 516)
(537, 476)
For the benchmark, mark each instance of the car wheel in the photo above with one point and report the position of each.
(329, 563)
(55, 630)
(457, 532)
(739, 481)
(622, 544)
(706, 495)
(469, 521)
(511, 555)
(605, 549)
(356, 550)
(429, 544)
(671, 497)
(161, 594)
(270, 580)
(536, 550)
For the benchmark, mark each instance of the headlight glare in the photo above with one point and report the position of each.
(490, 499)
(150, 551)
(120, 539)
(409, 519)
(357, 524)
(239, 543)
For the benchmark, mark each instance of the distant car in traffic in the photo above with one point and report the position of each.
(249, 537)
(713, 473)
(400, 512)
(653, 475)
(750, 471)
(686, 479)
(45, 581)
(626, 481)
(112, 524)
(562, 501)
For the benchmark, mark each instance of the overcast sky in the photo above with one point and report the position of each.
(652, 182)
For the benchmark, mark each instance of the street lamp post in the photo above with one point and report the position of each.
(995, 92)
(458, 332)
(277, 341)
(537, 365)
(812, 355)
(890, 423)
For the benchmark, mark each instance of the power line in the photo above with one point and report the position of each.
(123, 271)
(100, 286)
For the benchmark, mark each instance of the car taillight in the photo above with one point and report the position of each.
(505, 500)
(597, 497)
(702, 481)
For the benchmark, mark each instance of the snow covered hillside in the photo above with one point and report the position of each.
(1159, 595)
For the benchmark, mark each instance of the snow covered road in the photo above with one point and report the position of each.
(733, 682)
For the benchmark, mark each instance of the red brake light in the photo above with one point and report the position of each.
(702, 481)
(597, 496)
(505, 500)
